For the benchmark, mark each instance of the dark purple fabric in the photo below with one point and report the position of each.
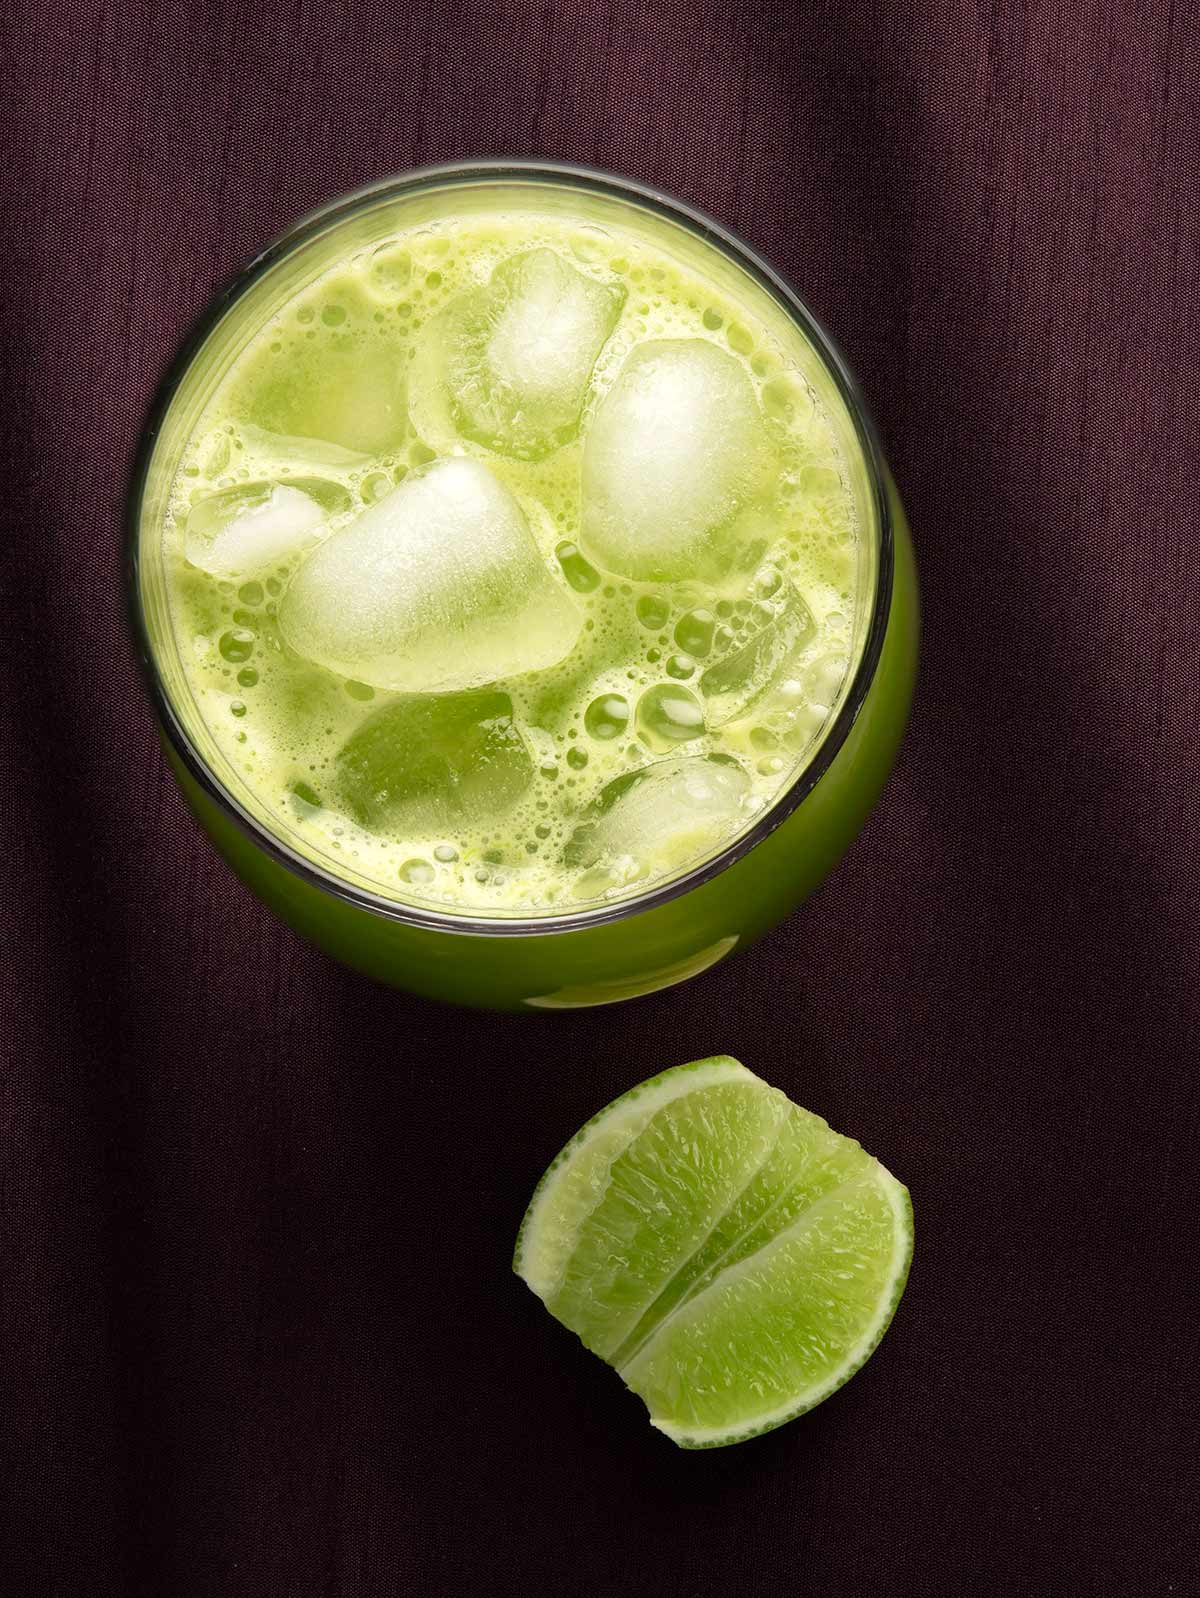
(260, 1339)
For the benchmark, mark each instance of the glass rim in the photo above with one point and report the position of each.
(648, 198)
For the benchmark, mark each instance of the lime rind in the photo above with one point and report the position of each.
(576, 1179)
(800, 1402)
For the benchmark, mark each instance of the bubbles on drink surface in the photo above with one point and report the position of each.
(517, 564)
(653, 611)
(236, 645)
(390, 270)
(694, 631)
(577, 569)
(607, 717)
(668, 715)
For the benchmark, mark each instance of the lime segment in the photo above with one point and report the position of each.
(729, 1254)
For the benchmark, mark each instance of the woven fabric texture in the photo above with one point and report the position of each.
(259, 1334)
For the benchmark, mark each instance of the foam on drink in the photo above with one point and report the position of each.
(513, 565)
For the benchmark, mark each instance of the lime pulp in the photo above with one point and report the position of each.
(731, 1256)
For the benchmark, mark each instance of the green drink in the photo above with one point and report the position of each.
(511, 560)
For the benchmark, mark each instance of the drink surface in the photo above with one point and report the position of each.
(514, 564)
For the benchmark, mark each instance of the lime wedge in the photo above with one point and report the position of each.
(728, 1254)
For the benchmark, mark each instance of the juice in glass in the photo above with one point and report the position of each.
(514, 566)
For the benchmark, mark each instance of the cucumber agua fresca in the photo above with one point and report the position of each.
(513, 562)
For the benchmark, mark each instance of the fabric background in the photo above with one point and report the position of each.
(259, 1332)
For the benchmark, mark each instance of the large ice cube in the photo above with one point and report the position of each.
(336, 391)
(439, 586)
(337, 381)
(774, 631)
(251, 527)
(660, 817)
(435, 759)
(677, 447)
(518, 355)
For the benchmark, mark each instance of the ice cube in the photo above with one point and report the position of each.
(517, 356)
(436, 587)
(337, 382)
(774, 632)
(336, 392)
(676, 449)
(251, 527)
(660, 817)
(435, 759)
